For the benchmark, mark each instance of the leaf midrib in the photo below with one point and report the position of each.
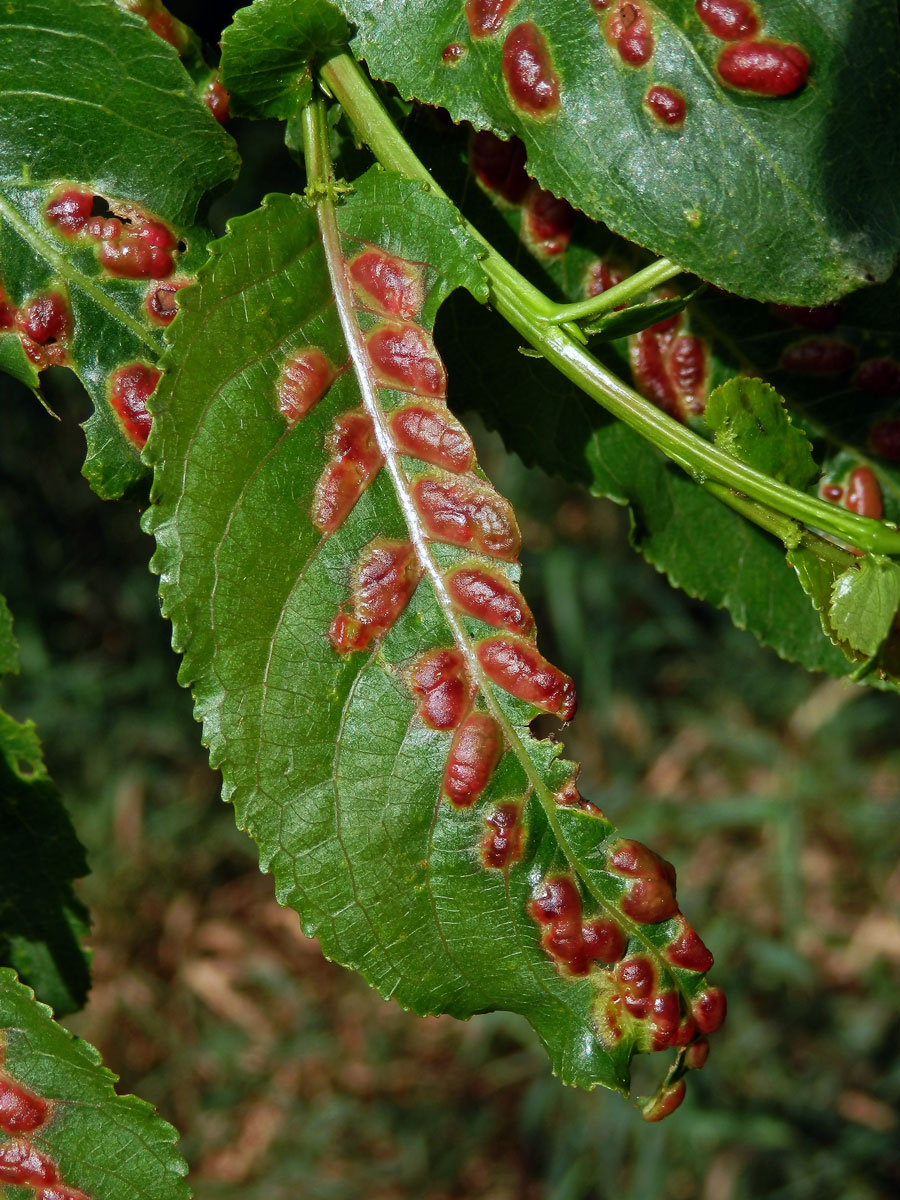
(346, 309)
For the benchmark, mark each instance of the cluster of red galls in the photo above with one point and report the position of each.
(631, 995)
(139, 249)
(21, 1163)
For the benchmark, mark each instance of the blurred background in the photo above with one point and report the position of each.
(776, 795)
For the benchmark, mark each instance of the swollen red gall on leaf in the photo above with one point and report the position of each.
(650, 375)
(664, 1020)
(451, 55)
(765, 68)
(568, 796)
(489, 597)
(636, 977)
(650, 896)
(132, 257)
(649, 901)
(467, 514)
(382, 585)
(388, 285)
(129, 390)
(305, 378)
(696, 1055)
(863, 495)
(688, 364)
(818, 356)
(485, 17)
(728, 19)
(21, 1163)
(665, 1103)
(666, 104)
(69, 211)
(404, 357)
(500, 166)
(603, 940)
(709, 1009)
(355, 461)
(819, 320)
(217, 100)
(160, 21)
(20, 1109)
(832, 492)
(528, 71)
(516, 666)
(160, 303)
(878, 377)
(502, 844)
(634, 860)
(45, 318)
(603, 275)
(58, 1191)
(556, 907)
(688, 951)
(629, 30)
(474, 752)
(441, 683)
(547, 222)
(432, 435)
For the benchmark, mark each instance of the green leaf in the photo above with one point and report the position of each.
(73, 1130)
(750, 422)
(789, 198)
(864, 602)
(96, 103)
(327, 752)
(267, 54)
(42, 923)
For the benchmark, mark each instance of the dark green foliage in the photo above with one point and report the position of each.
(42, 924)
(93, 99)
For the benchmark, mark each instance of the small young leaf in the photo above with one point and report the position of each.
(638, 316)
(63, 1130)
(343, 582)
(106, 154)
(267, 54)
(750, 421)
(42, 923)
(864, 602)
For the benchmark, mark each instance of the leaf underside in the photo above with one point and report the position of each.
(95, 103)
(61, 1123)
(328, 753)
(782, 197)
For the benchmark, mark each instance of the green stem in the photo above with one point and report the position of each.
(789, 532)
(621, 293)
(527, 309)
